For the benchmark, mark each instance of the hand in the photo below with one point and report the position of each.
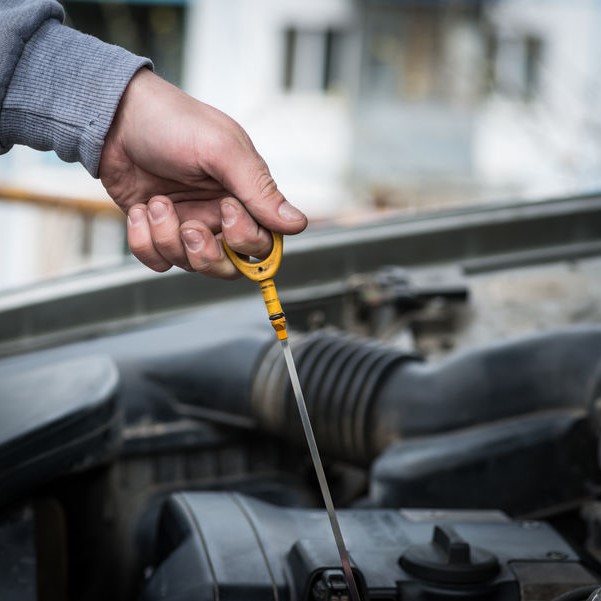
(187, 176)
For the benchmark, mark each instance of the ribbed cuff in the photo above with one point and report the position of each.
(64, 93)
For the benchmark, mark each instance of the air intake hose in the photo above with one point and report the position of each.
(363, 395)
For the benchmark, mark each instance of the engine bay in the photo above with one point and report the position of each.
(149, 446)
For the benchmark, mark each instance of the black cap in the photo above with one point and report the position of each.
(449, 559)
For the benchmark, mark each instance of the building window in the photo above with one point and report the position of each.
(313, 60)
(154, 29)
(423, 53)
(515, 64)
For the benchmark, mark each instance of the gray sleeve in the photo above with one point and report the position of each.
(59, 88)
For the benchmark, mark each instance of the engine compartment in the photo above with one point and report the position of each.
(455, 404)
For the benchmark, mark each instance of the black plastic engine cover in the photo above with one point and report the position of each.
(56, 418)
(226, 546)
(527, 465)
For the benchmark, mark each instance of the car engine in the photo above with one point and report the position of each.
(150, 447)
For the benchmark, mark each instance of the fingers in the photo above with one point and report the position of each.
(155, 241)
(241, 231)
(205, 252)
(140, 239)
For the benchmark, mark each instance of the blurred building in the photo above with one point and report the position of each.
(367, 103)
(401, 102)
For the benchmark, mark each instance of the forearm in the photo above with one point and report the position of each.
(59, 88)
(19, 19)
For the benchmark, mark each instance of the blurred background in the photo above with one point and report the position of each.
(360, 107)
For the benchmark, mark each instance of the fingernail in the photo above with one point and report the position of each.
(289, 213)
(136, 216)
(157, 210)
(194, 240)
(229, 214)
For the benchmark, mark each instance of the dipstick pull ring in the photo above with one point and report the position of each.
(263, 272)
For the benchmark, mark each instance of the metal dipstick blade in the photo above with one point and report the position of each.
(321, 477)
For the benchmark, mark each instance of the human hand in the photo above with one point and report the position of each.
(187, 176)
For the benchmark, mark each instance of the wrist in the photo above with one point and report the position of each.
(64, 93)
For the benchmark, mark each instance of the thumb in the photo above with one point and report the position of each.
(246, 175)
(268, 205)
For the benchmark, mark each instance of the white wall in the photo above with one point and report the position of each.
(551, 145)
(234, 60)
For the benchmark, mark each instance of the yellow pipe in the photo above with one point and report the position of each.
(80, 206)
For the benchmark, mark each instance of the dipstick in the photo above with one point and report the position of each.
(263, 272)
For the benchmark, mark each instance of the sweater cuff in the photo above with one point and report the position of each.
(64, 93)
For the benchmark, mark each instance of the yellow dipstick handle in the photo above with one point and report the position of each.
(263, 272)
